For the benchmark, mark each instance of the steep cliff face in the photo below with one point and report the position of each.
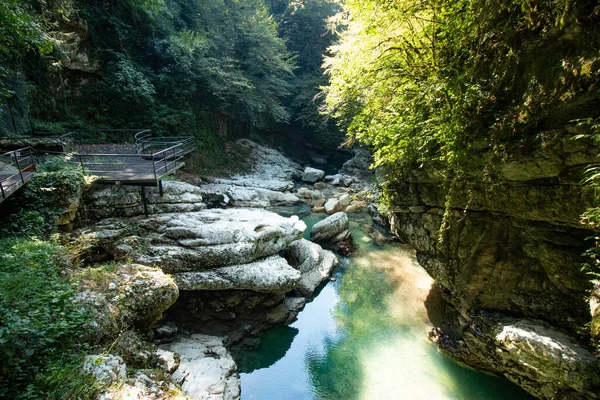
(510, 246)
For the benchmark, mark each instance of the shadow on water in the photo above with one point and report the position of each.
(272, 347)
(365, 337)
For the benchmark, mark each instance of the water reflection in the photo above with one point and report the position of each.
(365, 337)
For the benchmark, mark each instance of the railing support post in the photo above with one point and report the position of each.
(160, 188)
(19, 167)
(2, 190)
(145, 201)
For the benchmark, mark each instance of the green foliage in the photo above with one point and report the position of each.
(38, 320)
(54, 185)
(437, 81)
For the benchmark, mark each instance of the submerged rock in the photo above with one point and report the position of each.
(314, 263)
(206, 369)
(272, 274)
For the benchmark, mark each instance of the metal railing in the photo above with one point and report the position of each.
(145, 143)
(16, 169)
(151, 166)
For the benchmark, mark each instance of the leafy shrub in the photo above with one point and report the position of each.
(38, 320)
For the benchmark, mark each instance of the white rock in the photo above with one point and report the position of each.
(212, 238)
(330, 227)
(107, 369)
(312, 175)
(254, 197)
(333, 206)
(313, 262)
(345, 200)
(272, 275)
(206, 369)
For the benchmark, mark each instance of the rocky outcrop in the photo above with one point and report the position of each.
(543, 360)
(513, 246)
(272, 275)
(359, 165)
(254, 197)
(110, 201)
(314, 263)
(131, 295)
(266, 168)
(334, 233)
(212, 238)
(106, 369)
(206, 369)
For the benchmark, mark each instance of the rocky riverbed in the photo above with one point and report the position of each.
(231, 268)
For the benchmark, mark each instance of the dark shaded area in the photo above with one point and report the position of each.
(253, 354)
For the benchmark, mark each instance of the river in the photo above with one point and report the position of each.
(364, 336)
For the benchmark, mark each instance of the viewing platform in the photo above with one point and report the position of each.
(117, 156)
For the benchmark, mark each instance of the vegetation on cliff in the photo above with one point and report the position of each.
(439, 81)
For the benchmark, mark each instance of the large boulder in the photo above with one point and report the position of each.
(334, 233)
(314, 263)
(330, 227)
(206, 369)
(545, 361)
(130, 295)
(212, 238)
(199, 240)
(271, 274)
(333, 206)
(312, 175)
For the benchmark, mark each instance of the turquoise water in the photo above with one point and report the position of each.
(364, 337)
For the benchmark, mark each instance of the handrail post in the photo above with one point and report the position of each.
(81, 162)
(32, 159)
(19, 167)
(2, 190)
(154, 166)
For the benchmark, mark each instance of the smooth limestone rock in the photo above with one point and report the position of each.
(314, 263)
(272, 275)
(254, 197)
(545, 361)
(334, 233)
(213, 238)
(333, 206)
(109, 201)
(330, 227)
(267, 168)
(312, 175)
(206, 369)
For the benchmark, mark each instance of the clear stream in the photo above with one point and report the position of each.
(364, 337)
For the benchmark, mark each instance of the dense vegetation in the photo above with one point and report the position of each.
(438, 81)
(210, 69)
